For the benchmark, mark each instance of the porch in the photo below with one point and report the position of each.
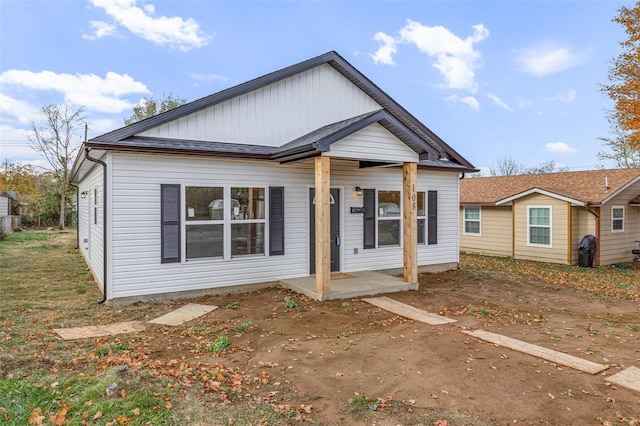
(349, 285)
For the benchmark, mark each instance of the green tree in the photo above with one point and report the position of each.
(54, 136)
(624, 78)
(151, 106)
(21, 179)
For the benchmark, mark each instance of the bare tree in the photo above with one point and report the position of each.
(54, 136)
(506, 166)
(548, 166)
(618, 148)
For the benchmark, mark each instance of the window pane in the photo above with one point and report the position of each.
(539, 235)
(421, 208)
(247, 203)
(388, 233)
(471, 227)
(421, 231)
(539, 216)
(388, 203)
(204, 241)
(618, 213)
(618, 225)
(472, 213)
(204, 203)
(247, 238)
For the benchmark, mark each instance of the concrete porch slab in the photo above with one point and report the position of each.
(365, 283)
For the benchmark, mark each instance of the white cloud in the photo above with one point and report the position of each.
(496, 100)
(206, 78)
(546, 59)
(22, 111)
(98, 126)
(174, 31)
(524, 103)
(384, 54)
(560, 148)
(567, 97)
(455, 58)
(470, 101)
(14, 145)
(100, 29)
(89, 90)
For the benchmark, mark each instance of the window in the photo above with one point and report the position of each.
(388, 218)
(95, 206)
(617, 219)
(539, 226)
(422, 218)
(247, 221)
(204, 216)
(472, 217)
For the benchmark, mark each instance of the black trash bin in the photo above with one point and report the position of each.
(586, 251)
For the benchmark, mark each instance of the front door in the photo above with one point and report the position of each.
(334, 214)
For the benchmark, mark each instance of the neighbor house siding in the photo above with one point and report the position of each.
(616, 247)
(495, 232)
(373, 143)
(275, 114)
(136, 221)
(5, 203)
(90, 230)
(557, 253)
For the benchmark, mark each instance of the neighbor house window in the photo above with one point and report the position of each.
(204, 217)
(422, 218)
(388, 218)
(539, 226)
(247, 221)
(617, 219)
(472, 221)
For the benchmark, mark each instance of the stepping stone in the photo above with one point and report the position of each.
(629, 378)
(408, 311)
(184, 314)
(538, 351)
(100, 330)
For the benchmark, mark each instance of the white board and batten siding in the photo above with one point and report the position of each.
(373, 143)
(275, 114)
(90, 228)
(135, 212)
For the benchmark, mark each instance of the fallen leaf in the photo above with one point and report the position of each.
(136, 411)
(339, 374)
(97, 415)
(551, 396)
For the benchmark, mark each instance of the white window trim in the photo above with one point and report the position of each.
(550, 226)
(464, 222)
(398, 219)
(225, 222)
(622, 219)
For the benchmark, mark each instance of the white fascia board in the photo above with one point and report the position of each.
(622, 188)
(508, 200)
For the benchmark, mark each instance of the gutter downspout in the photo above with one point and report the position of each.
(77, 214)
(104, 222)
(597, 216)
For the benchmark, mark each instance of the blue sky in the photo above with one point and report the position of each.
(515, 79)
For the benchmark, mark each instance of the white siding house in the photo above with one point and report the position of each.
(219, 193)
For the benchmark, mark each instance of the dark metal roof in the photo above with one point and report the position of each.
(331, 58)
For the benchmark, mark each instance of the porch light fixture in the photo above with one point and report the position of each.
(357, 191)
(83, 194)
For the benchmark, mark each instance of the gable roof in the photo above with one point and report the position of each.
(413, 131)
(583, 187)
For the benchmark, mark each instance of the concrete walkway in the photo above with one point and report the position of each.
(361, 284)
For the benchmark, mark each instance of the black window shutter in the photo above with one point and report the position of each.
(432, 217)
(369, 199)
(276, 221)
(170, 223)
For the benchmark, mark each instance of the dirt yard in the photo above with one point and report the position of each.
(348, 362)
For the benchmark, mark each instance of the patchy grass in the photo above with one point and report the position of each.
(610, 282)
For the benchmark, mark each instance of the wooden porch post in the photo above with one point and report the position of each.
(323, 230)
(410, 222)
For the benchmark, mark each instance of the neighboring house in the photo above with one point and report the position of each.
(5, 211)
(276, 178)
(544, 217)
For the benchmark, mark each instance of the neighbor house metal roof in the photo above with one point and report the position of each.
(589, 187)
(395, 112)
